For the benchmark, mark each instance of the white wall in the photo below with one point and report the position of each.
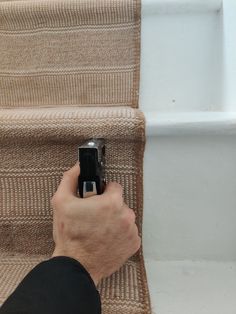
(229, 53)
(181, 68)
(188, 95)
(190, 197)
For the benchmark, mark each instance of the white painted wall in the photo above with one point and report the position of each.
(229, 53)
(188, 95)
(190, 197)
(181, 67)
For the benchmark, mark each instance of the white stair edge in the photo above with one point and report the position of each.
(180, 6)
(190, 123)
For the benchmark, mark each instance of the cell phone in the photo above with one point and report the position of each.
(91, 155)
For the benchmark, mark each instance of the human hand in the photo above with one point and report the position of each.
(99, 231)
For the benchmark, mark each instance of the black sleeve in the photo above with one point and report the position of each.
(60, 285)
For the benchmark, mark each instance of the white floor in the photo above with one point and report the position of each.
(185, 287)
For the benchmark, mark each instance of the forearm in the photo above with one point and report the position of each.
(59, 285)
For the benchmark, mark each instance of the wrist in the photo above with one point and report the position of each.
(93, 274)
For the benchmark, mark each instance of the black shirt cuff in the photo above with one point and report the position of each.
(59, 285)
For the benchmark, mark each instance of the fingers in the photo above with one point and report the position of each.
(129, 214)
(113, 196)
(129, 227)
(69, 182)
(113, 187)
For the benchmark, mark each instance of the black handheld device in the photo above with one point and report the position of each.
(91, 155)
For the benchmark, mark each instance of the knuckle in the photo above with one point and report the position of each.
(105, 205)
(116, 186)
(126, 222)
(57, 199)
(132, 215)
(66, 173)
(53, 200)
(137, 243)
(116, 200)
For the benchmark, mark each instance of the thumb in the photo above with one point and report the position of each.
(69, 182)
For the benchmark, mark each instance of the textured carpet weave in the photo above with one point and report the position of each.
(69, 70)
(68, 52)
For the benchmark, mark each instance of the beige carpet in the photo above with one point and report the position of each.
(69, 52)
(69, 70)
